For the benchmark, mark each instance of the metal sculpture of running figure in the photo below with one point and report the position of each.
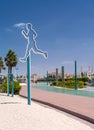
(30, 35)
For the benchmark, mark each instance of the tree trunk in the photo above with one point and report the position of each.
(10, 70)
(0, 70)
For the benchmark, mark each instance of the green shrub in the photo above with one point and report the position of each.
(17, 87)
(53, 83)
(80, 84)
(69, 84)
(3, 87)
(60, 83)
(84, 79)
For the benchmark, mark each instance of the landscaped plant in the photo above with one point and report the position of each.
(11, 60)
(3, 87)
(1, 64)
(68, 84)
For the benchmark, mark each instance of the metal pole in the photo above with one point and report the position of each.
(29, 79)
(62, 72)
(76, 85)
(8, 80)
(12, 85)
(56, 76)
(47, 78)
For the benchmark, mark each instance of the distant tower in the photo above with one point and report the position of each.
(81, 72)
(89, 68)
(89, 72)
(81, 69)
(92, 68)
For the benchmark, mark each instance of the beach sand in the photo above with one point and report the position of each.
(15, 114)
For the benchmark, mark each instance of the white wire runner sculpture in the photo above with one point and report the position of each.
(30, 35)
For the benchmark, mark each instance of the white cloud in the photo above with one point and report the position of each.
(19, 25)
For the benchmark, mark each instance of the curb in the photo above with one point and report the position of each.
(79, 115)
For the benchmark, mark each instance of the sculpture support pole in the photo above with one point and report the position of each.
(47, 78)
(62, 72)
(8, 77)
(29, 79)
(76, 85)
(56, 76)
(12, 85)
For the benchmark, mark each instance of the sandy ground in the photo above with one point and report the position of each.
(15, 114)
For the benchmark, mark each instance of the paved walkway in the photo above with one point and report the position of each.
(79, 106)
(17, 115)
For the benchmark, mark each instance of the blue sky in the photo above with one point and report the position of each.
(65, 30)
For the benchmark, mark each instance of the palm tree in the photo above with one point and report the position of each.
(1, 64)
(11, 60)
